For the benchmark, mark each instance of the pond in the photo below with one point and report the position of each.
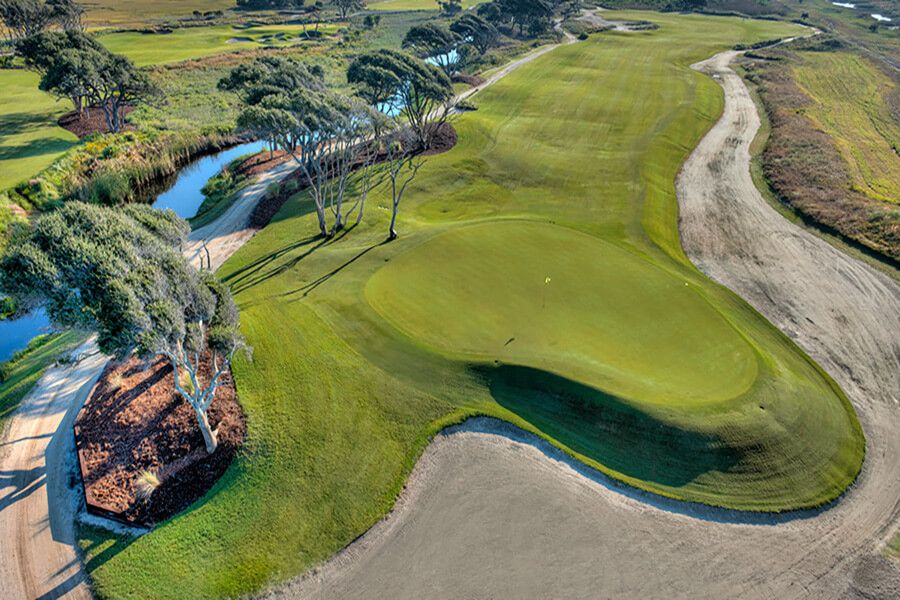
(15, 334)
(185, 197)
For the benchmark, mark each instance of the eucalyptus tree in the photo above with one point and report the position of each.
(326, 134)
(418, 94)
(266, 76)
(74, 65)
(435, 42)
(476, 31)
(402, 162)
(119, 272)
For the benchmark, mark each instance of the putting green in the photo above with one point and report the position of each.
(553, 298)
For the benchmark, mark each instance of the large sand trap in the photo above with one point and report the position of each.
(490, 513)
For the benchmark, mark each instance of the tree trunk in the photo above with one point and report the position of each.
(392, 235)
(320, 214)
(210, 437)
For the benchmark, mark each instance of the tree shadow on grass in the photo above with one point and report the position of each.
(18, 123)
(607, 429)
(38, 147)
(309, 287)
(267, 267)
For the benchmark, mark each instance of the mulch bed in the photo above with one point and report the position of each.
(472, 80)
(90, 120)
(270, 204)
(262, 162)
(134, 422)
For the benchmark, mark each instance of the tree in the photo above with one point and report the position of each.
(346, 7)
(326, 134)
(371, 21)
(433, 41)
(119, 272)
(271, 75)
(450, 7)
(68, 14)
(269, 4)
(41, 50)
(519, 14)
(402, 163)
(396, 83)
(74, 65)
(23, 18)
(476, 31)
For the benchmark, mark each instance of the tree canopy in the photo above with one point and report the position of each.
(400, 84)
(74, 65)
(435, 41)
(23, 18)
(476, 31)
(120, 272)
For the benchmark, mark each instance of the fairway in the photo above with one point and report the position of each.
(560, 192)
(30, 139)
(415, 4)
(198, 42)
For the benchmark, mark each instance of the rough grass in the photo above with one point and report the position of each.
(119, 13)
(566, 170)
(849, 102)
(30, 139)
(24, 369)
(832, 151)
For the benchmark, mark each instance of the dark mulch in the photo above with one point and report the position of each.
(135, 422)
(90, 120)
(472, 80)
(271, 203)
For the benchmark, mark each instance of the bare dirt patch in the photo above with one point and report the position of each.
(135, 423)
(90, 120)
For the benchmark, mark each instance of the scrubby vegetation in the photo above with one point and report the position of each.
(21, 372)
(832, 151)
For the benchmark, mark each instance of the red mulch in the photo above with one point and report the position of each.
(90, 120)
(262, 162)
(134, 422)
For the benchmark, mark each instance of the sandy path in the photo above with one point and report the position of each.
(491, 512)
(38, 559)
(36, 508)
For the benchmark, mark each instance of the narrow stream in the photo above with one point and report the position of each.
(184, 197)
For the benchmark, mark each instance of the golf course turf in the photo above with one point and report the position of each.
(538, 278)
